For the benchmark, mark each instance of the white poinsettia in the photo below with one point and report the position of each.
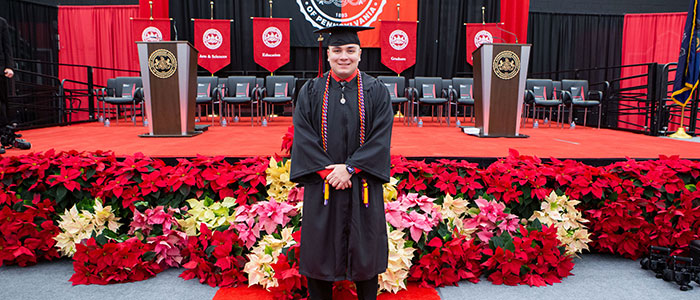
(561, 212)
(78, 226)
(267, 252)
(400, 255)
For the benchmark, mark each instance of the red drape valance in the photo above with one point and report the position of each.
(648, 38)
(98, 36)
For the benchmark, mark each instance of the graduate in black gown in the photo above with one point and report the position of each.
(342, 134)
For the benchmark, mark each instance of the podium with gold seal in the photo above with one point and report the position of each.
(500, 72)
(169, 75)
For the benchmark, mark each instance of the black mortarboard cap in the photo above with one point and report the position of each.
(343, 34)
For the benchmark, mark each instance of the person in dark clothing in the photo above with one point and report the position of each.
(342, 133)
(7, 64)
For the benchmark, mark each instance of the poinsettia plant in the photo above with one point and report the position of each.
(109, 261)
(631, 204)
(533, 256)
(215, 257)
(26, 234)
(448, 263)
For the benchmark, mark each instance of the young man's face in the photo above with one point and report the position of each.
(344, 59)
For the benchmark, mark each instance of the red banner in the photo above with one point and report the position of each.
(212, 40)
(398, 44)
(514, 14)
(271, 42)
(151, 30)
(160, 9)
(479, 34)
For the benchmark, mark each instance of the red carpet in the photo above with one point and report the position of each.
(256, 293)
(432, 140)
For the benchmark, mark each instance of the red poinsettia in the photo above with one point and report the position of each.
(113, 262)
(26, 237)
(621, 228)
(216, 258)
(533, 257)
(291, 284)
(288, 140)
(448, 263)
(66, 178)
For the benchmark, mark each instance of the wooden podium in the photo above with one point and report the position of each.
(500, 72)
(169, 75)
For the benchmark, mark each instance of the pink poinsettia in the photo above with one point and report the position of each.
(272, 213)
(154, 216)
(168, 248)
(417, 214)
(296, 195)
(491, 219)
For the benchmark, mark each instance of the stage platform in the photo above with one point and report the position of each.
(430, 141)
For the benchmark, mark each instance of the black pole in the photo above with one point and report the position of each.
(91, 94)
(653, 83)
(693, 115)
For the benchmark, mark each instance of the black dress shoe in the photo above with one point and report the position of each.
(2, 150)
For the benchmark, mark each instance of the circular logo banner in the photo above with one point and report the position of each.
(162, 63)
(398, 39)
(325, 13)
(272, 37)
(212, 39)
(506, 65)
(482, 37)
(151, 34)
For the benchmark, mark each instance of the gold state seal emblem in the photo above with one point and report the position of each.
(506, 65)
(162, 63)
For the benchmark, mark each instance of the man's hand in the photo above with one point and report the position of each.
(9, 73)
(339, 178)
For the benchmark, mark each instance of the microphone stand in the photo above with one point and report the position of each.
(508, 32)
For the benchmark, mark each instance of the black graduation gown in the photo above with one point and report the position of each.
(344, 240)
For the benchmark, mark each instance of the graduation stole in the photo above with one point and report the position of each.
(324, 133)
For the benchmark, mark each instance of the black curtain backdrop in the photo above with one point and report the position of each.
(33, 33)
(441, 37)
(573, 41)
(608, 7)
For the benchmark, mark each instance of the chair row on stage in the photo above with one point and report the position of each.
(260, 95)
(459, 93)
(230, 94)
(566, 94)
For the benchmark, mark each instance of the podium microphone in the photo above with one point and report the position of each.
(508, 32)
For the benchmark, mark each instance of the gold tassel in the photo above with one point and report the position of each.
(326, 192)
(365, 193)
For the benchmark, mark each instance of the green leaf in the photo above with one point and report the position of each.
(535, 225)
(90, 172)
(141, 204)
(165, 200)
(222, 228)
(504, 241)
(691, 187)
(19, 207)
(110, 234)
(101, 239)
(61, 193)
(443, 231)
(184, 190)
(210, 249)
(148, 256)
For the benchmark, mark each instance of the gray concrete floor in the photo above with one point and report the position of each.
(596, 276)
